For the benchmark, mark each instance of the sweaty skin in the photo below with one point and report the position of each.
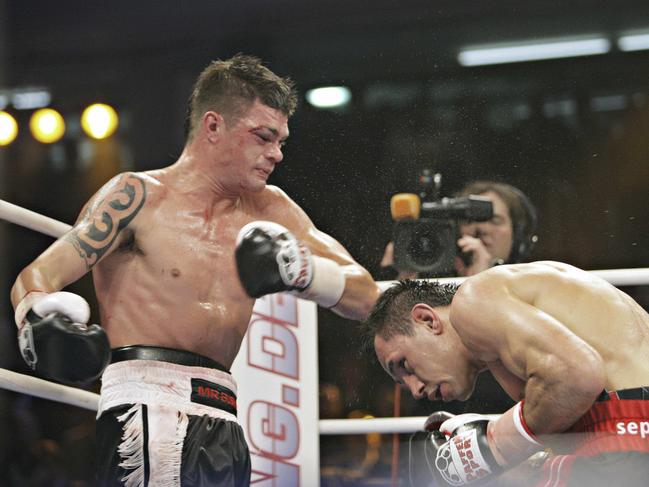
(550, 333)
(161, 243)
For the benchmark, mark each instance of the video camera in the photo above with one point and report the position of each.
(429, 244)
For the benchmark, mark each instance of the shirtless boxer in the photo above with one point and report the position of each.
(174, 301)
(571, 348)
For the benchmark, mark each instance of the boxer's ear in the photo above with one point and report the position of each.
(424, 315)
(213, 124)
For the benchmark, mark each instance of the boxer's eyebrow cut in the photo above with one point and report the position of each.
(273, 131)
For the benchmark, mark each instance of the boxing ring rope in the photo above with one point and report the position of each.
(32, 220)
(26, 384)
(617, 277)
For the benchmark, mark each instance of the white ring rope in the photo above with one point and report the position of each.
(30, 219)
(371, 425)
(406, 424)
(617, 277)
(77, 397)
(26, 384)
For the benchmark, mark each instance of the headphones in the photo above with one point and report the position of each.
(524, 232)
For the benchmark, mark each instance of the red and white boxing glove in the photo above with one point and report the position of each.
(480, 446)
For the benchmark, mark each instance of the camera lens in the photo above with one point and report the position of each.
(424, 247)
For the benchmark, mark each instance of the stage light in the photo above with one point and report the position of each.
(30, 99)
(633, 42)
(533, 51)
(8, 129)
(99, 121)
(47, 125)
(329, 96)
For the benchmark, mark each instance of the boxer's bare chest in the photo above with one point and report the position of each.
(191, 244)
(176, 278)
(181, 251)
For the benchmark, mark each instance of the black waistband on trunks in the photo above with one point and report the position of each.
(638, 393)
(163, 354)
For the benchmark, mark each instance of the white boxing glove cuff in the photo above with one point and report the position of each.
(454, 422)
(25, 305)
(71, 305)
(512, 438)
(328, 283)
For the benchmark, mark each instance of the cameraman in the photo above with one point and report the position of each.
(508, 237)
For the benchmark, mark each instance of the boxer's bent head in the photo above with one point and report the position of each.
(230, 87)
(416, 344)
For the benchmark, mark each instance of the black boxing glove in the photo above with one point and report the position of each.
(55, 340)
(423, 448)
(270, 260)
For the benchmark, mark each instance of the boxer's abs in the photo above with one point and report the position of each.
(204, 314)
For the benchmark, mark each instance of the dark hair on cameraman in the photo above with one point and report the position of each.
(521, 211)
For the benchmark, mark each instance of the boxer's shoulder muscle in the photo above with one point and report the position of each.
(126, 192)
(101, 225)
(479, 309)
(275, 205)
(270, 197)
(523, 282)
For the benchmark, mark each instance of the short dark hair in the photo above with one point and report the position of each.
(231, 86)
(390, 316)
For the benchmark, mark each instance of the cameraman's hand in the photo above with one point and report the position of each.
(481, 259)
(388, 261)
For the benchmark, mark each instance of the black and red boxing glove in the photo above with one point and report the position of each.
(271, 260)
(55, 340)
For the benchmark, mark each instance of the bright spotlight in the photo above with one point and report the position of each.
(8, 129)
(533, 51)
(329, 96)
(634, 41)
(47, 125)
(99, 121)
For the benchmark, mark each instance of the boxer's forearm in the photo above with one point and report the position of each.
(361, 292)
(54, 269)
(30, 279)
(554, 404)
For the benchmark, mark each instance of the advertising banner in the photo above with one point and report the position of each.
(277, 375)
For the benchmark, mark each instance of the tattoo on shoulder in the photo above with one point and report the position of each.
(107, 217)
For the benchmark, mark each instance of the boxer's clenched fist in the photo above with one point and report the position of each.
(270, 260)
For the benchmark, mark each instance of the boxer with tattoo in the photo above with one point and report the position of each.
(177, 257)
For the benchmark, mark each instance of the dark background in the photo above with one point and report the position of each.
(573, 134)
